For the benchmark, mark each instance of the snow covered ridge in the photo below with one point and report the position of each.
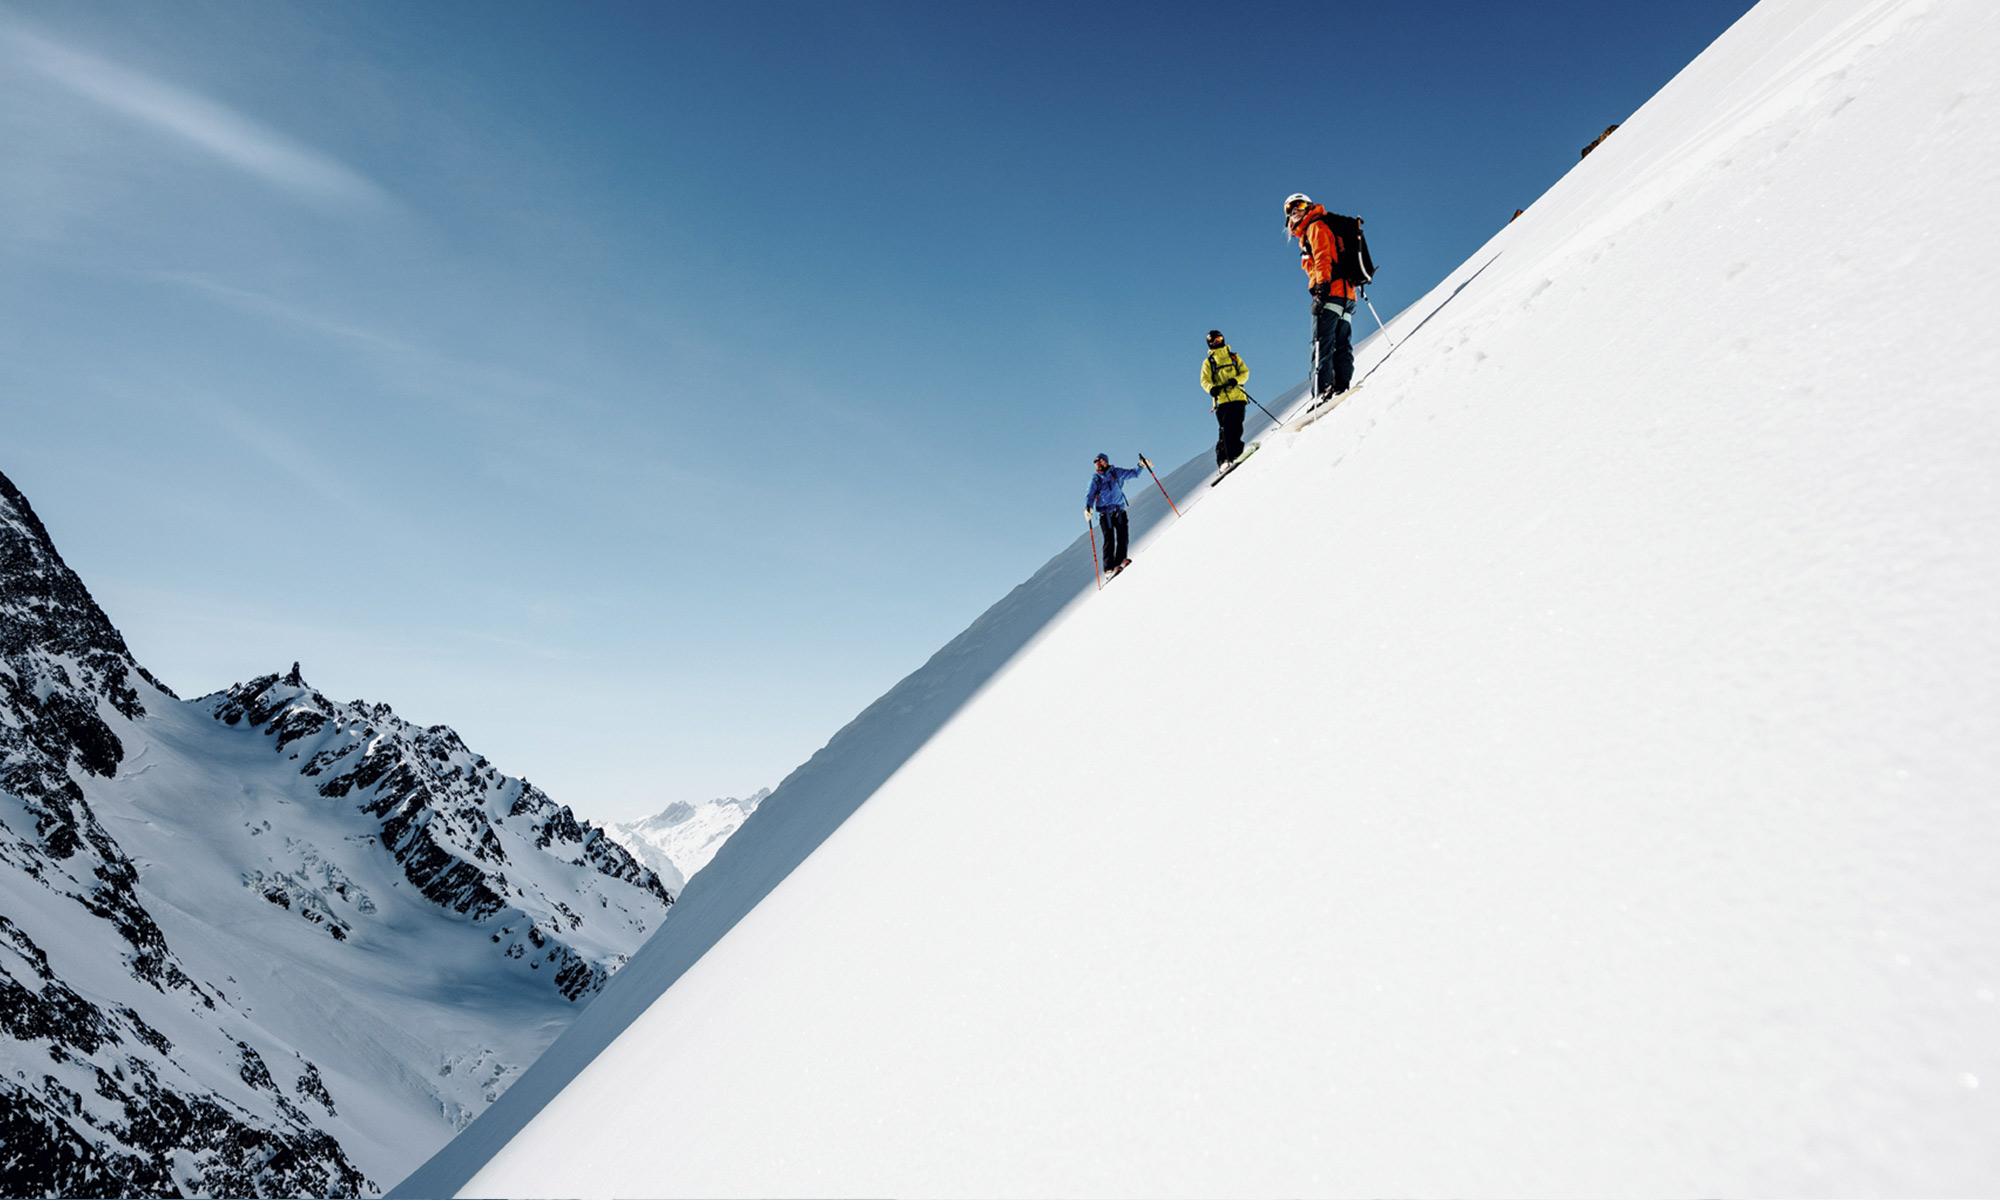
(261, 943)
(683, 838)
(447, 818)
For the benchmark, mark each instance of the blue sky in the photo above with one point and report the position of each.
(643, 389)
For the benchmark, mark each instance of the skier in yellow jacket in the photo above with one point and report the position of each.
(1222, 376)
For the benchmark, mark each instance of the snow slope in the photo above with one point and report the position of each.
(1571, 768)
(804, 809)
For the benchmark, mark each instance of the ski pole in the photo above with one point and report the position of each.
(1162, 486)
(1312, 380)
(1260, 408)
(1091, 527)
(1378, 319)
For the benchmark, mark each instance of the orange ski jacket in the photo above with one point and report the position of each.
(1319, 250)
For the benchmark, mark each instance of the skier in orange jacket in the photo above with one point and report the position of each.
(1321, 252)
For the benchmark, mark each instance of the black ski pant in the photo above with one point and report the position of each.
(1333, 345)
(1229, 431)
(1115, 525)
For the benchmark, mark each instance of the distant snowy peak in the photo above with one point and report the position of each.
(682, 839)
(472, 840)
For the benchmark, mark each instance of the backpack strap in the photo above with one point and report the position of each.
(1215, 364)
(1339, 243)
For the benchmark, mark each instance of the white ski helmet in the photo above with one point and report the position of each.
(1299, 199)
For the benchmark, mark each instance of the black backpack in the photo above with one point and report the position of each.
(1356, 266)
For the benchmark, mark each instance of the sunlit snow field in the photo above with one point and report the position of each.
(1568, 769)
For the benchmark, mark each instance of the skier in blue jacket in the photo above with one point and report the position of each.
(1106, 499)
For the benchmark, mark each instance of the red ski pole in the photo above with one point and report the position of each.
(1161, 486)
(1091, 527)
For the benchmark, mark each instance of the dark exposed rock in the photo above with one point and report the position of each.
(43, 1152)
(1596, 142)
(146, 1033)
(310, 1084)
(95, 748)
(430, 792)
(50, 1010)
(253, 1070)
(231, 1155)
(47, 615)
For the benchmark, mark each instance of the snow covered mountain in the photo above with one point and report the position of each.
(1612, 772)
(262, 943)
(682, 839)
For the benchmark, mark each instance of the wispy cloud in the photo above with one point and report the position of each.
(272, 308)
(290, 457)
(469, 386)
(195, 121)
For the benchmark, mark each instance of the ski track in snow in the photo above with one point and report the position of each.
(1568, 769)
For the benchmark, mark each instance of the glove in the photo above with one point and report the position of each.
(1217, 390)
(1144, 463)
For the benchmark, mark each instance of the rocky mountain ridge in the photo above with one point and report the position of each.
(262, 943)
(447, 818)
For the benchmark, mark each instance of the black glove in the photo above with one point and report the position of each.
(1217, 390)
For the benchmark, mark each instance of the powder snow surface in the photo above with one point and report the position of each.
(1571, 768)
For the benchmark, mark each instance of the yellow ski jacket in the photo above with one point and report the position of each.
(1224, 367)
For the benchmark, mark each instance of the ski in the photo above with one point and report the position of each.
(1234, 463)
(1319, 409)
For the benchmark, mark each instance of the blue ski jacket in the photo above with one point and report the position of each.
(1107, 487)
